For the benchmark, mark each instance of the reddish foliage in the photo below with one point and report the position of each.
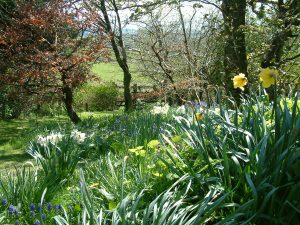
(45, 47)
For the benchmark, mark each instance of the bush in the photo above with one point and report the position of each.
(96, 97)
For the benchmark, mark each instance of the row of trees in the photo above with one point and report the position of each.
(47, 46)
(218, 42)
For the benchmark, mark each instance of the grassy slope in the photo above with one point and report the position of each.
(15, 135)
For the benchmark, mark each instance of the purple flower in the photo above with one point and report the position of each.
(196, 104)
(37, 222)
(60, 207)
(32, 206)
(43, 216)
(56, 207)
(17, 222)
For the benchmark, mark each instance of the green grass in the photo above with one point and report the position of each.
(16, 134)
(98, 115)
(111, 72)
(11, 152)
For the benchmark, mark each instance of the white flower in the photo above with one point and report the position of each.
(160, 109)
(180, 110)
(54, 138)
(217, 111)
(42, 140)
(78, 136)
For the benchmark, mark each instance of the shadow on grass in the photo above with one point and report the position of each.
(15, 135)
(15, 160)
(22, 157)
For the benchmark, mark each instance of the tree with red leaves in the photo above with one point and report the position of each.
(46, 49)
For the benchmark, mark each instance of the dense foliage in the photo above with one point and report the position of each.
(97, 97)
(221, 164)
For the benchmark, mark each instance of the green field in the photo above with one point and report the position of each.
(111, 72)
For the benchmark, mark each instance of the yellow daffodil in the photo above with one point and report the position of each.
(94, 185)
(199, 116)
(239, 81)
(157, 174)
(268, 76)
(112, 205)
(153, 144)
(139, 151)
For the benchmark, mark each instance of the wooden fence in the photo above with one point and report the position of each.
(186, 90)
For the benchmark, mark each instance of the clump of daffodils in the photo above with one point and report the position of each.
(268, 77)
(239, 81)
(53, 138)
(78, 136)
(161, 109)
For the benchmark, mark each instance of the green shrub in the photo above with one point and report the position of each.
(96, 97)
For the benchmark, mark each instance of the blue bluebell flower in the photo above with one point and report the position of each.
(203, 103)
(4, 202)
(60, 207)
(37, 222)
(32, 214)
(11, 209)
(43, 216)
(32, 206)
(49, 206)
(56, 207)
(17, 222)
(16, 212)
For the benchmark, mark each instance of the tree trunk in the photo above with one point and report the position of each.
(127, 92)
(120, 52)
(68, 100)
(235, 58)
(186, 44)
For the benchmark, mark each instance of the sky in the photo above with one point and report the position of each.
(169, 15)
